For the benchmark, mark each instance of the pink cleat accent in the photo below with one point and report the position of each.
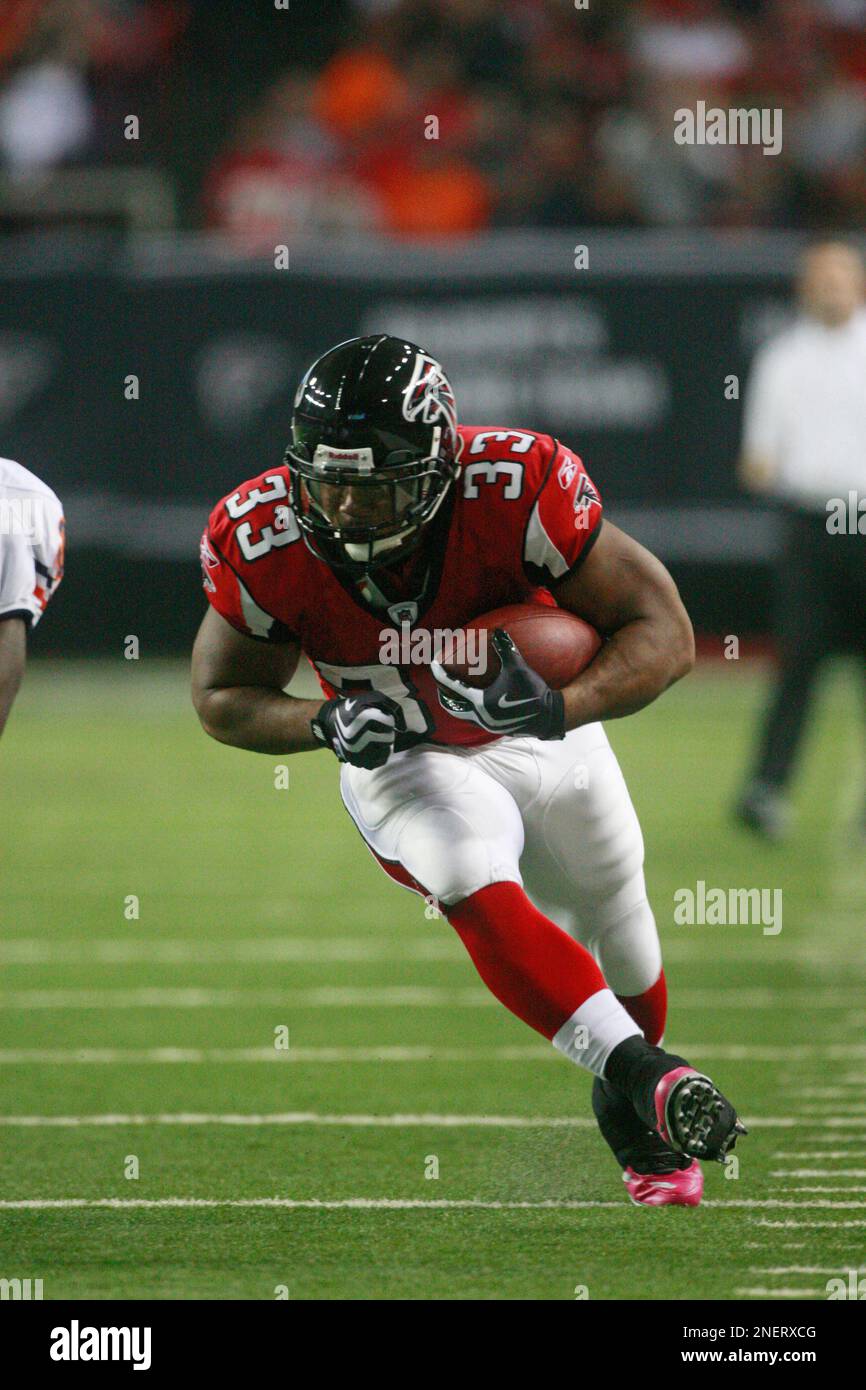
(663, 1090)
(682, 1188)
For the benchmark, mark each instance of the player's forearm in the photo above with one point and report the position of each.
(13, 654)
(636, 665)
(8, 690)
(257, 719)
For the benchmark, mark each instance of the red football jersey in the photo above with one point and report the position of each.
(524, 514)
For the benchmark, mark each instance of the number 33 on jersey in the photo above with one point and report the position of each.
(524, 514)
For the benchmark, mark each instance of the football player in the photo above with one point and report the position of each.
(32, 542)
(506, 805)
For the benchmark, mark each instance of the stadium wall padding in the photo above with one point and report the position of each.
(639, 367)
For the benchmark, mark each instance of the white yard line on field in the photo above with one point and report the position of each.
(195, 997)
(64, 950)
(839, 1107)
(780, 995)
(830, 1139)
(790, 1224)
(795, 1052)
(832, 1120)
(530, 1052)
(195, 951)
(824, 1092)
(309, 1117)
(96, 1056)
(358, 1203)
(761, 1292)
(777, 1271)
(302, 1203)
(818, 1172)
(301, 1117)
(825, 1153)
(848, 1187)
(777, 1244)
(368, 996)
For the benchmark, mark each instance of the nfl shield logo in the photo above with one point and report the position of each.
(401, 613)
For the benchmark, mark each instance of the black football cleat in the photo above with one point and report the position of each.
(693, 1116)
(655, 1175)
(681, 1105)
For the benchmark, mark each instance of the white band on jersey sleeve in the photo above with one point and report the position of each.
(257, 620)
(539, 550)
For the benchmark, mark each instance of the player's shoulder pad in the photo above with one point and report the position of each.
(537, 495)
(564, 519)
(246, 524)
(517, 459)
(244, 556)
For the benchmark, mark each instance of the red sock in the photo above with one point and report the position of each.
(649, 1010)
(533, 967)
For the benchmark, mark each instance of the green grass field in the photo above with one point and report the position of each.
(259, 908)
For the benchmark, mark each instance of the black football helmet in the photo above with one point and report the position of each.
(374, 451)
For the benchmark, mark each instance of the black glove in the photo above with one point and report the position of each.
(360, 728)
(517, 702)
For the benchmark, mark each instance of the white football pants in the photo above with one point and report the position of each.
(555, 817)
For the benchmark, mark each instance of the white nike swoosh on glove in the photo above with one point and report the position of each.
(350, 730)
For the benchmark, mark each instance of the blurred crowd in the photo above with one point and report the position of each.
(445, 117)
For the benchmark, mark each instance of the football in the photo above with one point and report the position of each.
(555, 643)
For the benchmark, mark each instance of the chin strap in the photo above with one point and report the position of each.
(377, 547)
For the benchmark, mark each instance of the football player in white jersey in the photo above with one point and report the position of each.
(32, 542)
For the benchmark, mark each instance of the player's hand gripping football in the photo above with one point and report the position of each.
(361, 729)
(518, 701)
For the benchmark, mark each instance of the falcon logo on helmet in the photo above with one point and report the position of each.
(429, 397)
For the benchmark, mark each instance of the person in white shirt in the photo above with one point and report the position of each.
(804, 445)
(32, 543)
